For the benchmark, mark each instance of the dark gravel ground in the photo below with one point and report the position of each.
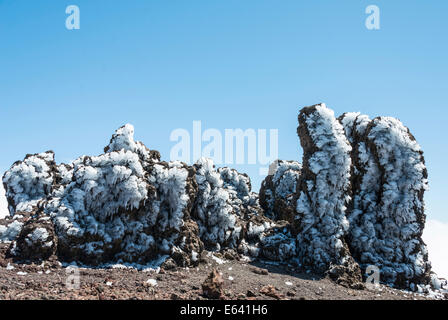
(241, 280)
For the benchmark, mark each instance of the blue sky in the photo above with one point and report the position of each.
(160, 65)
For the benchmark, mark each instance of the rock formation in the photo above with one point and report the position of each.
(323, 193)
(356, 200)
(278, 190)
(359, 198)
(127, 205)
(386, 214)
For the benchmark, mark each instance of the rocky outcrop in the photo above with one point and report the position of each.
(278, 190)
(356, 200)
(227, 211)
(36, 241)
(29, 181)
(386, 213)
(323, 192)
(128, 206)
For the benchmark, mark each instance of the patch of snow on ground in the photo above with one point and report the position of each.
(152, 282)
(217, 260)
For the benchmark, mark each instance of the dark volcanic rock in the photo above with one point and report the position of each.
(213, 286)
(386, 214)
(323, 192)
(278, 190)
(36, 241)
(226, 210)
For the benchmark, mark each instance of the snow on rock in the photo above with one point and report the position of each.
(115, 210)
(37, 240)
(386, 214)
(127, 206)
(356, 199)
(278, 190)
(323, 193)
(123, 139)
(10, 229)
(226, 210)
(29, 181)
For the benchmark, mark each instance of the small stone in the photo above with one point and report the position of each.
(250, 293)
(213, 286)
(260, 271)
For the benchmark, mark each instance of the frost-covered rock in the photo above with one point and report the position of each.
(323, 192)
(10, 229)
(29, 181)
(279, 243)
(278, 190)
(36, 241)
(124, 205)
(226, 210)
(386, 214)
(128, 206)
(322, 188)
(115, 210)
(214, 212)
(123, 139)
(239, 187)
(356, 198)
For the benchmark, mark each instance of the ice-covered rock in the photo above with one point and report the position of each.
(10, 229)
(124, 205)
(323, 193)
(127, 206)
(123, 139)
(356, 198)
(36, 241)
(29, 181)
(116, 210)
(214, 212)
(226, 210)
(386, 214)
(278, 190)
(279, 243)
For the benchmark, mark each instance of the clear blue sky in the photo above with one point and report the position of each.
(231, 64)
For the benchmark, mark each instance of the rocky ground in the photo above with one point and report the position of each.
(233, 280)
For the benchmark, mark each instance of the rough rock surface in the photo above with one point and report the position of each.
(37, 240)
(128, 206)
(278, 190)
(226, 210)
(323, 193)
(386, 214)
(212, 287)
(29, 181)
